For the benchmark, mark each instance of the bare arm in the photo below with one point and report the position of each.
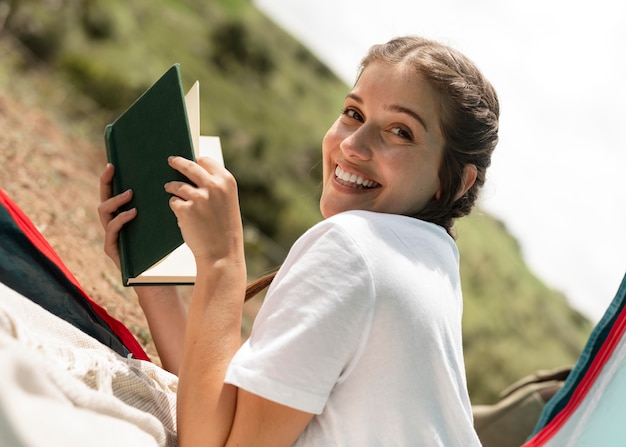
(166, 316)
(162, 306)
(211, 412)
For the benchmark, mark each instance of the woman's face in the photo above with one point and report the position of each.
(384, 151)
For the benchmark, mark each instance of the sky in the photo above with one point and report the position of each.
(559, 67)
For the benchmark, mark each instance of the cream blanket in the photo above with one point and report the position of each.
(60, 387)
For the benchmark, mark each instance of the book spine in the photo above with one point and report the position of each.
(125, 266)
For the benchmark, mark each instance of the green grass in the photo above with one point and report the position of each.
(513, 323)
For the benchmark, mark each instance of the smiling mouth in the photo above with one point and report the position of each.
(353, 180)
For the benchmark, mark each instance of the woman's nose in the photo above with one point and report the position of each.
(358, 144)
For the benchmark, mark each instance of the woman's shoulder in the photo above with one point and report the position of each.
(372, 231)
(356, 221)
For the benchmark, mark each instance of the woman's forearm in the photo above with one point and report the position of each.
(206, 406)
(166, 315)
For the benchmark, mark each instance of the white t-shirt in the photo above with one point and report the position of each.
(362, 327)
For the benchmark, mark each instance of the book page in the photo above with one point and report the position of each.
(178, 267)
(192, 103)
(211, 147)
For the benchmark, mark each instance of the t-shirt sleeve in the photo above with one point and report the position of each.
(313, 324)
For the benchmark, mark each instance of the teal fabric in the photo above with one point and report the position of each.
(595, 342)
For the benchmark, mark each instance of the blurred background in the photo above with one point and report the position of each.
(269, 91)
(557, 67)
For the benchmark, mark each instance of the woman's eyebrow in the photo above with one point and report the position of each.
(354, 97)
(412, 113)
(394, 108)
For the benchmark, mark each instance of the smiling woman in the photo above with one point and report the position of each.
(387, 133)
(358, 341)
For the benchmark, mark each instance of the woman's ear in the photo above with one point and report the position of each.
(469, 177)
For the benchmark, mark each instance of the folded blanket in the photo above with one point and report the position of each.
(61, 387)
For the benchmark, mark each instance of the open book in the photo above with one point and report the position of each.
(162, 122)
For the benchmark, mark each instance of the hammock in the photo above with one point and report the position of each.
(71, 374)
(589, 408)
(30, 266)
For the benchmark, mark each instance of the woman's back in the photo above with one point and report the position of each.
(371, 344)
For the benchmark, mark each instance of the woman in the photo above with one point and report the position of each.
(358, 341)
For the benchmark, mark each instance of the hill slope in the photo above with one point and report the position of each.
(270, 121)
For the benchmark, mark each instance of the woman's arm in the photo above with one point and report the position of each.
(209, 218)
(166, 315)
(211, 412)
(162, 306)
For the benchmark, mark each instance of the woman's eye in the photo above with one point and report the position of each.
(402, 133)
(351, 113)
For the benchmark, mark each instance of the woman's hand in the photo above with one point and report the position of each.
(162, 306)
(208, 213)
(110, 219)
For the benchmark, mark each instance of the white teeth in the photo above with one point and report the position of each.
(353, 178)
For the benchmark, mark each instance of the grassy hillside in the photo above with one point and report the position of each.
(513, 323)
(270, 101)
(260, 90)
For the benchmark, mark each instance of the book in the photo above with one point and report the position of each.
(163, 121)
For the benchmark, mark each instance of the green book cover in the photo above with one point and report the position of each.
(138, 143)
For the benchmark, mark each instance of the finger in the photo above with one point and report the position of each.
(116, 224)
(209, 164)
(192, 170)
(176, 203)
(106, 179)
(219, 174)
(179, 207)
(108, 209)
(112, 230)
(181, 189)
